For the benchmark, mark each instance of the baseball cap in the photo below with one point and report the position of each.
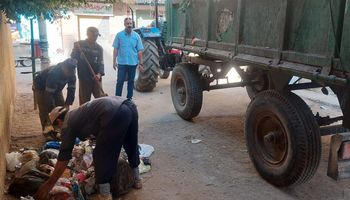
(93, 30)
(56, 112)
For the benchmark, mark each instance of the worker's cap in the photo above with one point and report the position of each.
(93, 30)
(56, 112)
(71, 63)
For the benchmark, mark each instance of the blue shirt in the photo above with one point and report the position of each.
(128, 46)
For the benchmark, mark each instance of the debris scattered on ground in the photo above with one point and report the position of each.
(32, 168)
(196, 141)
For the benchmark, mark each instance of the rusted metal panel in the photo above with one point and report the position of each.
(308, 32)
(345, 42)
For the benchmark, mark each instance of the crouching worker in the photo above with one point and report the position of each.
(113, 121)
(48, 85)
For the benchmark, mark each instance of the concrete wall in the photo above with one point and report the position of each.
(7, 95)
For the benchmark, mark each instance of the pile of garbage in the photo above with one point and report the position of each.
(32, 168)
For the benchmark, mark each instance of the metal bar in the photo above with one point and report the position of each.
(208, 24)
(79, 31)
(292, 68)
(295, 82)
(302, 86)
(282, 28)
(331, 130)
(229, 85)
(238, 28)
(185, 27)
(156, 7)
(170, 22)
(32, 56)
(241, 72)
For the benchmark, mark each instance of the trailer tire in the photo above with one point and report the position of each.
(262, 82)
(146, 81)
(283, 138)
(186, 91)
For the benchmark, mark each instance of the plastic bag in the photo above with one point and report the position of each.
(78, 151)
(29, 155)
(144, 168)
(87, 161)
(80, 177)
(65, 182)
(27, 198)
(123, 179)
(27, 167)
(146, 150)
(26, 185)
(46, 155)
(46, 168)
(61, 193)
(13, 159)
(90, 186)
(52, 145)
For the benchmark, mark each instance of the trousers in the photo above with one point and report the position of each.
(121, 132)
(123, 71)
(88, 87)
(44, 109)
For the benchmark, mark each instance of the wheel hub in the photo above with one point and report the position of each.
(181, 92)
(271, 140)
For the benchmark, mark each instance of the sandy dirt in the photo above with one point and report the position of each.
(216, 168)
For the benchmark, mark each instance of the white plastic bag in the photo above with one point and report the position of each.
(146, 150)
(13, 160)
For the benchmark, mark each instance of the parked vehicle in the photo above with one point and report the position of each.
(159, 60)
(268, 42)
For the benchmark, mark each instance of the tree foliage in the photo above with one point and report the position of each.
(50, 9)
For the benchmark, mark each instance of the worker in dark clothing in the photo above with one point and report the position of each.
(48, 85)
(89, 83)
(113, 121)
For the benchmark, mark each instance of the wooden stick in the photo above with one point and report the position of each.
(91, 70)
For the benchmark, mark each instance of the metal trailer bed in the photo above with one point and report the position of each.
(268, 42)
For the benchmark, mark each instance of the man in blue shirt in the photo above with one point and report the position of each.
(127, 55)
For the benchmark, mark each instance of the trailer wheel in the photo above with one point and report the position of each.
(145, 81)
(283, 138)
(163, 74)
(260, 82)
(186, 91)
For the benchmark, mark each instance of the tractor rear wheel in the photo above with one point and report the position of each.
(146, 80)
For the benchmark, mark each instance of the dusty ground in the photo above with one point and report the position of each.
(216, 168)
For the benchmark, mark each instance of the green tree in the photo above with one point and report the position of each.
(50, 9)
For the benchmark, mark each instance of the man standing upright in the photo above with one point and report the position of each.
(127, 55)
(89, 83)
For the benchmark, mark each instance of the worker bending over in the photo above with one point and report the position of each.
(48, 85)
(113, 121)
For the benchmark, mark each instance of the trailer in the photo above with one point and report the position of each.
(268, 43)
